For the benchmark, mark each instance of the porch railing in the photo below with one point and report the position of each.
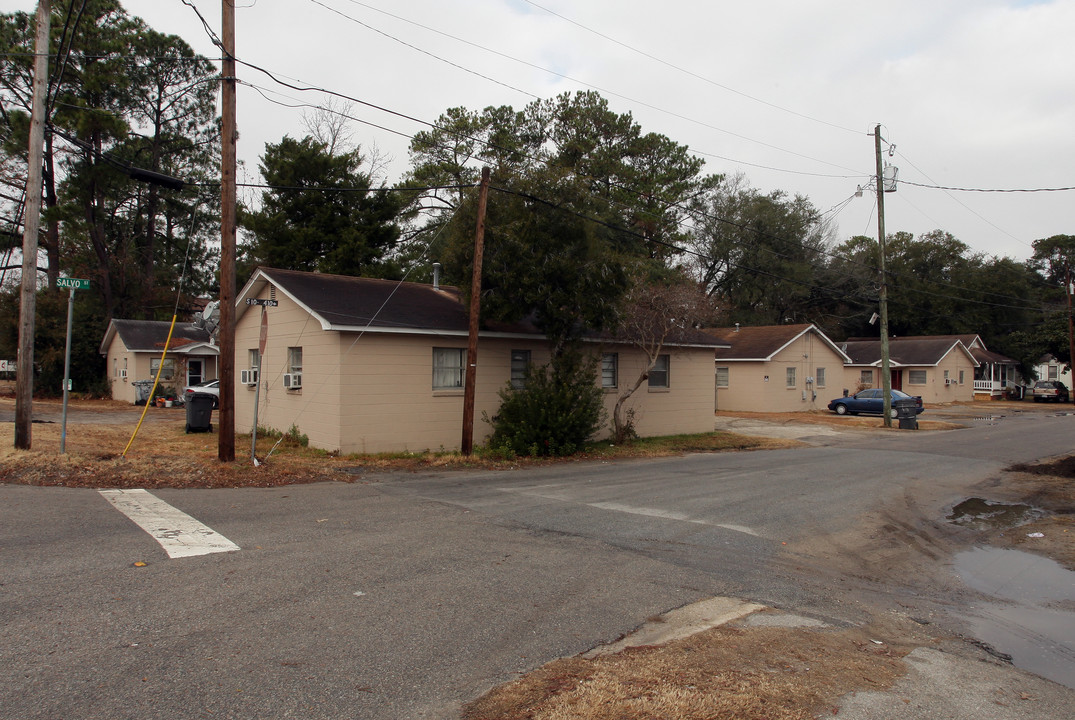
(987, 385)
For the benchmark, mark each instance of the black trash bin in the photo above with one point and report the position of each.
(906, 413)
(200, 412)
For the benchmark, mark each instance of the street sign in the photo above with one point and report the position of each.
(7, 366)
(266, 303)
(73, 283)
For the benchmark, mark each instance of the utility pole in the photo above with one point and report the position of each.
(1071, 322)
(226, 437)
(467, 444)
(24, 369)
(886, 375)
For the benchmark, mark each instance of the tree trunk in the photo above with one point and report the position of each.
(619, 424)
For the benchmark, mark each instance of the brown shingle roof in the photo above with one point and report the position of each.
(759, 342)
(923, 350)
(150, 335)
(353, 303)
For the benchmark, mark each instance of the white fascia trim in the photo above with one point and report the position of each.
(203, 348)
(425, 331)
(254, 287)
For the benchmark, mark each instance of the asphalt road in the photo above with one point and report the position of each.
(407, 595)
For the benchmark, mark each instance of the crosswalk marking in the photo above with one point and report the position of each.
(178, 533)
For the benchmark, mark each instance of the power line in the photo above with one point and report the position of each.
(692, 73)
(641, 103)
(484, 143)
(965, 206)
(986, 190)
(262, 91)
(425, 52)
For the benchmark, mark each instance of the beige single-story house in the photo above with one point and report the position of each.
(777, 368)
(369, 365)
(133, 348)
(938, 368)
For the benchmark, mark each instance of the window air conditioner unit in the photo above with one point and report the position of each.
(248, 377)
(123, 374)
(292, 381)
(950, 381)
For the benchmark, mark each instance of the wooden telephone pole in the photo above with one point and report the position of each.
(226, 436)
(24, 378)
(886, 375)
(467, 444)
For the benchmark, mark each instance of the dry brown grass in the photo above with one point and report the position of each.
(727, 672)
(829, 419)
(163, 455)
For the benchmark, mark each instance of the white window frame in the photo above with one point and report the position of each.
(519, 373)
(610, 371)
(449, 368)
(791, 378)
(912, 374)
(168, 373)
(660, 376)
(866, 377)
(294, 360)
(962, 376)
(723, 377)
(254, 358)
(819, 377)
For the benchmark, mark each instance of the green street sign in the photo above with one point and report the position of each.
(74, 283)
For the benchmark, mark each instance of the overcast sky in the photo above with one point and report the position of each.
(973, 93)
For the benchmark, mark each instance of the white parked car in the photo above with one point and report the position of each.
(208, 387)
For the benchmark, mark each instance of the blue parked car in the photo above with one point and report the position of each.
(871, 401)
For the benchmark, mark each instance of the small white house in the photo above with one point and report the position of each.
(133, 352)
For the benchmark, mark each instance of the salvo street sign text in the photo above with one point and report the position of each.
(259, 301)
(74, 283)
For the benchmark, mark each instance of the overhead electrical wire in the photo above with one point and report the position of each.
(566, 77)
(965, 206)
(306, 88)
(691, 72)
(987, 190)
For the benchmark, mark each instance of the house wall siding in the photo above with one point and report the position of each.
(748, 389)
(139, 368)
(314, 410)
(397, 408)
(933, 391)
(117, 354)
(373, 393)
(686, 406)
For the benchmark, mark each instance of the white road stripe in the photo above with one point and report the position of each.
(178, 533)
(668, 515)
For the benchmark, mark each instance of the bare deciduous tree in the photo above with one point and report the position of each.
(653, 316)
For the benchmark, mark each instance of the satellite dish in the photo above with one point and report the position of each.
(210, 317)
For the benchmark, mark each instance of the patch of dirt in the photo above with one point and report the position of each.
(726, 672)
(819, 417)
(163, 455)
(1049, 486)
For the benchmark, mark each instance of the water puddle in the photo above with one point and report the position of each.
(982, 514)
(1034, 620)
